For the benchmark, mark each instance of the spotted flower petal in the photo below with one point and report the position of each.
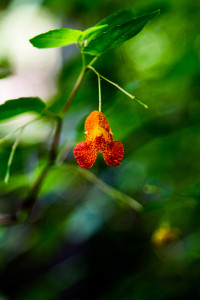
(114, 154)
(85, 154)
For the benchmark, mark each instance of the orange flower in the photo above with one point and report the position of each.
(99, 138)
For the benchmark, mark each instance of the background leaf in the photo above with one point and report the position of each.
(56, 38)
(5, 68)
(115, 35)
(12, 108)
(121, 16)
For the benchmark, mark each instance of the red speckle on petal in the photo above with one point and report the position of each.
(114, 154)
(85, 155)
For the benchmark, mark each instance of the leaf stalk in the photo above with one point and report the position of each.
(117, 86)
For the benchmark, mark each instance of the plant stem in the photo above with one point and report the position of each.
(29, 201)
(12, 153)
(31, 198)
(55, 141)
(93, 60)
(117, 86)
(99, 86)
(112, 192)
(6, 138)
(73, 92)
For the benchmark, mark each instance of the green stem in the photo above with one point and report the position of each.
(93, 61)
(117, 86)
(31, 198)
(73, 92)
(77, 84)
(99, 86)
(12, 155)
(109, 190)
(6, 138)
(55, 141)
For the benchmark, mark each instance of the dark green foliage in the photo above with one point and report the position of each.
(117, 32)
(106, 34)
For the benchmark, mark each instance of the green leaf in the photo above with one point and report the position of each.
(115, 19)
(91, 32)
(56, 38)
(12, 108)
(120, 17)
(115, 35)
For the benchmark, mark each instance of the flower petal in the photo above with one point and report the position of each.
(98, 130)
(85, 154)
(96, 118)
(114, 154)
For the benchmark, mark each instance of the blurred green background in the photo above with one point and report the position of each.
(81, 244)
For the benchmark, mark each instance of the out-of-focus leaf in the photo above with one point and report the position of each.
(56, 38)
(5, 68)
(12, 108)
(115, 35)
(112, 192)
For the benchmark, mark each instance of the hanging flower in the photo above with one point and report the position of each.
(99, 138)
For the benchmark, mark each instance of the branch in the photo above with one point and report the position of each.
(73, 92)
(117, 86)
(106, 188)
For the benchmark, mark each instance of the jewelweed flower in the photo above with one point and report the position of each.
(99, 138)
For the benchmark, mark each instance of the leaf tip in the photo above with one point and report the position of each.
(32, 41)
(157, 12)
